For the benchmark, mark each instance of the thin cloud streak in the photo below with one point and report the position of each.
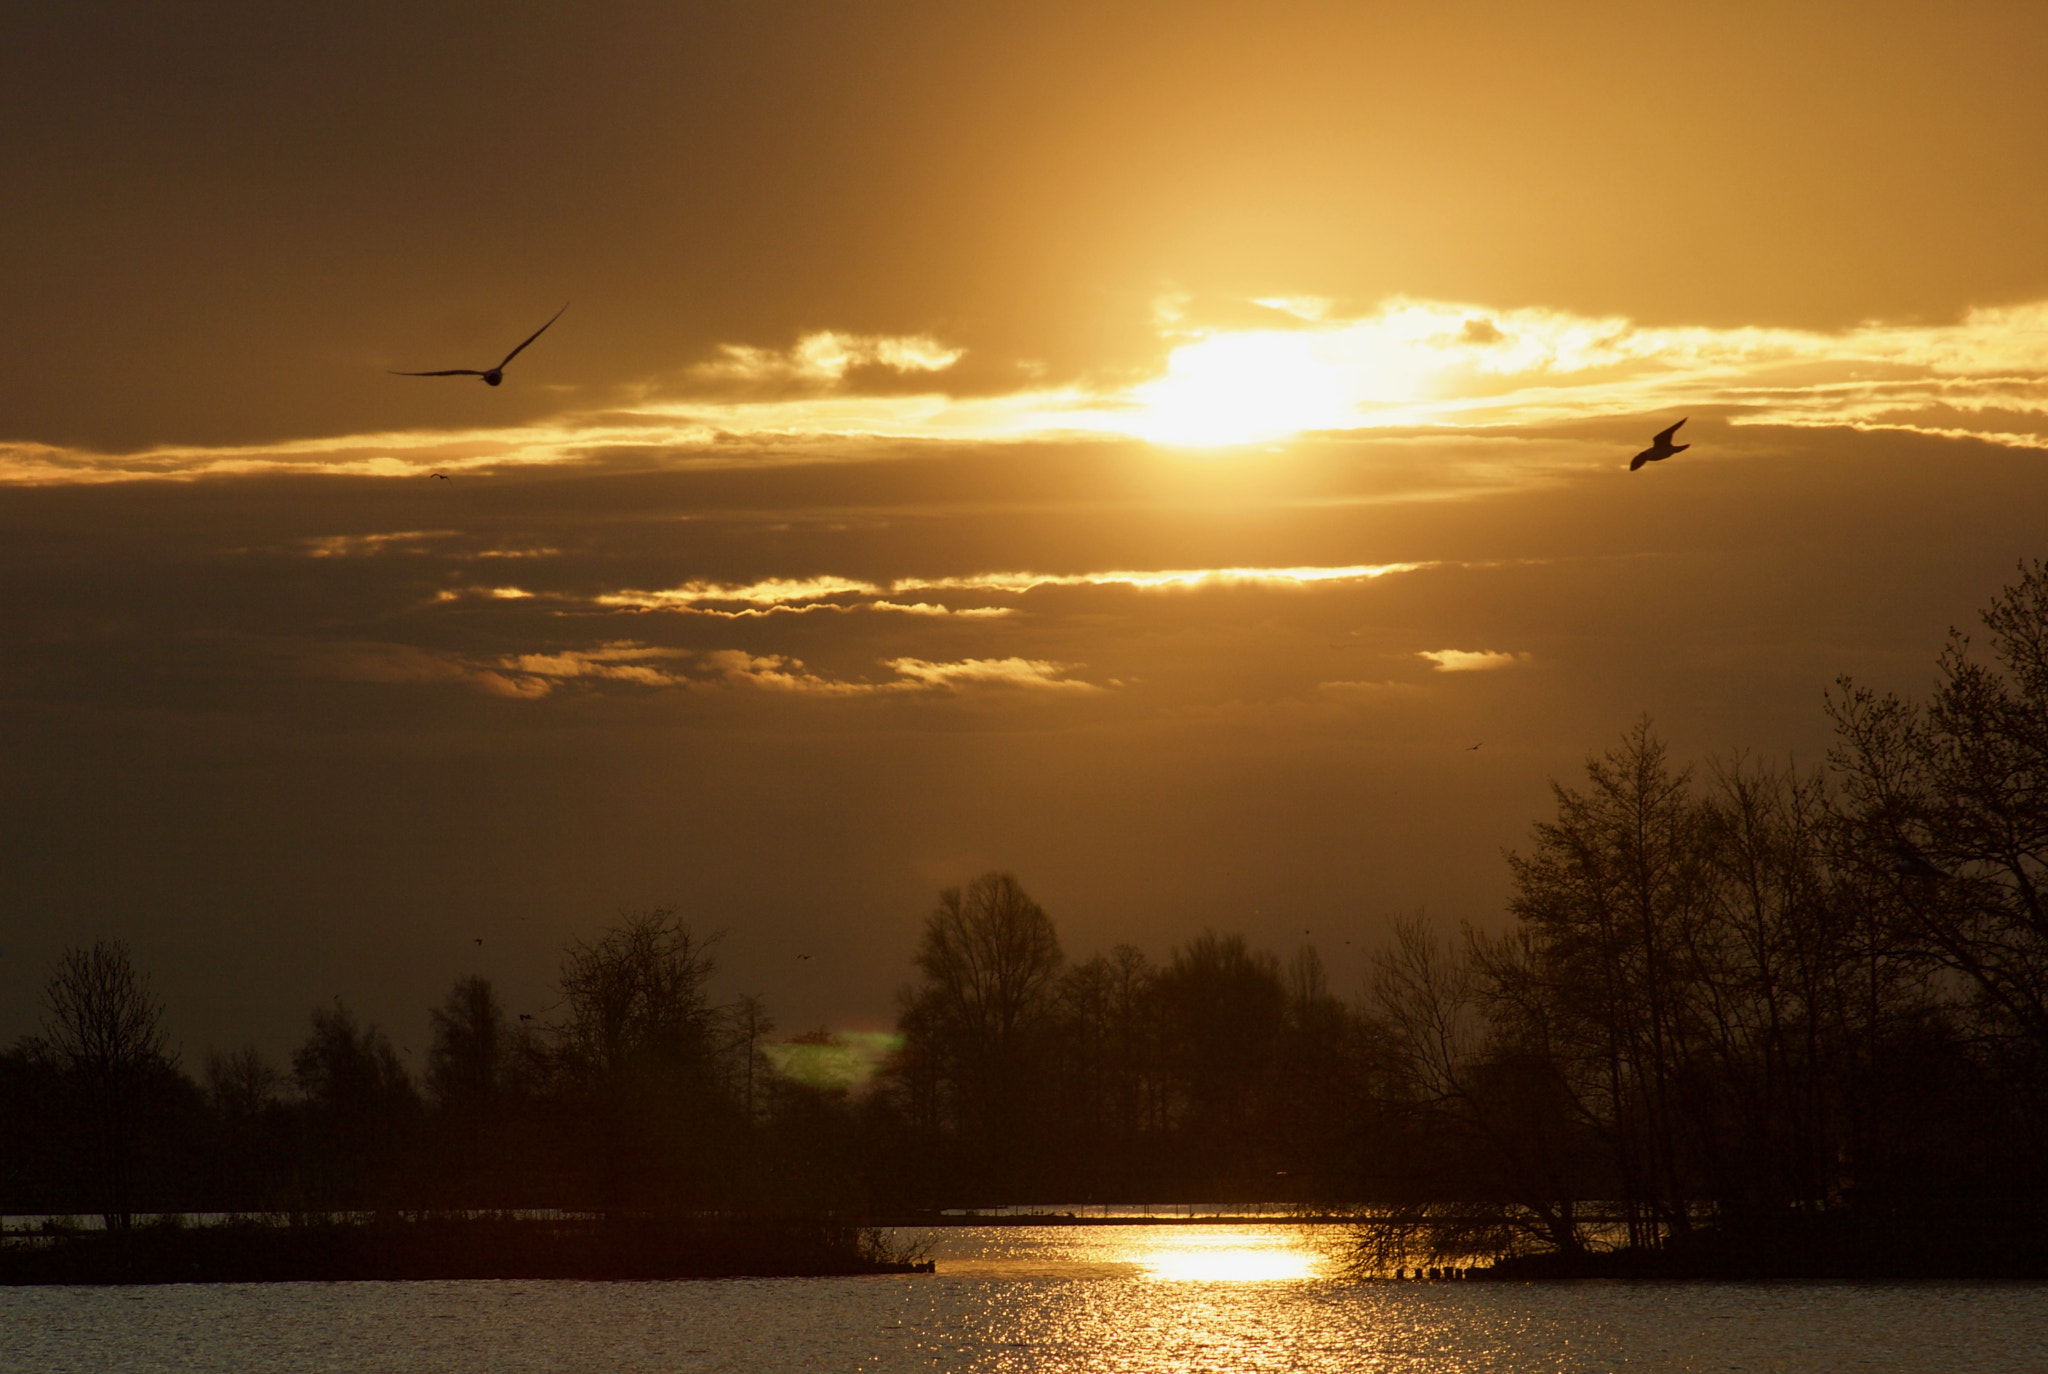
(827, 356)
(1472, 660)
(1451, 367)
(533, 676)
(796, 595)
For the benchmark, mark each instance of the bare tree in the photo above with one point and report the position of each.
(241, 1083)
(1613, 891)
(639, 1053)
(989, 955)
(748, 1022)
(1947, 803)
(362, 1104)
(1223, 1021)
(106, 1031)
(638, 998)
(466, 1064)
(991, 961)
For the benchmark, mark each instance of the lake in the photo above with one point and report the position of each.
(1153, 1298)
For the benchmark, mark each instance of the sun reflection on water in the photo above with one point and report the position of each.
(1235, 1258)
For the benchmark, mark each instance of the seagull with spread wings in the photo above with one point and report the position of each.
(1660, 448)
(492, 376)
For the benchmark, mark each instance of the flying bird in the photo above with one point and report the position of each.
(479, 939)
(1470, 747)
(1659, 449)
(442, 475)
(494, 375)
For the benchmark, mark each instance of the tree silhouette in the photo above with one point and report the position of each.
(1224, 1021)
(106, 1031)
(990, 961)
(361, 1104)
(638, 1052)
(1613, 892)
(466, 1064)
(1948, 803)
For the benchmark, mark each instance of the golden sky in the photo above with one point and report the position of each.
(1141, 446)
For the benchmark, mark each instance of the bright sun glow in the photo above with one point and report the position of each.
(1240, 388)
(1427, 364)
(1229, 1260)
(1244, 386)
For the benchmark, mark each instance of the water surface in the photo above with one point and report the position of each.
(1180, 1298)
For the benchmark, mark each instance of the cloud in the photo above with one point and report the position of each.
(1310, 308)
(827, 356)
(929, 608)
(360, 661)
(1389, 690)
(1160, 579)
(796, 595)
(517, 676)
(531, 676)
(776, 673)
(622, 660)
(369, 545)
(990, 672)
(768, 592)
(1454, 368)
(1471, 660)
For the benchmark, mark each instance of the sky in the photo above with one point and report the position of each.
(1142, 447)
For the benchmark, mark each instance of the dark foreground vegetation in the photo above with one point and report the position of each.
(448, 1247)
(1746, 1020)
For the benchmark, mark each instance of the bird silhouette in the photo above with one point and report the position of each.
(1470, 747)
(479, 939)
(803, 956)
(492, 375)
(1660, 448)
(526, 1016)
(442, 475)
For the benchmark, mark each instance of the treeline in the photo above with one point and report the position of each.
(1737, 995)
(643, 1096)
(1016, 1078)
(1789, 1004)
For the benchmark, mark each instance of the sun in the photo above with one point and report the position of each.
(1243, 387)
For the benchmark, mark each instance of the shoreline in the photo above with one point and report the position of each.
(440, 1248)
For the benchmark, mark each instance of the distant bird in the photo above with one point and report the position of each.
(442, 475)
(803, 956)
(494, 375)
(1470, 747)
(479, 939)
(526, 1016)
(1659, 449)
(1912, 864)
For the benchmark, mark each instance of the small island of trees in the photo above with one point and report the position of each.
(1745, 1020)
